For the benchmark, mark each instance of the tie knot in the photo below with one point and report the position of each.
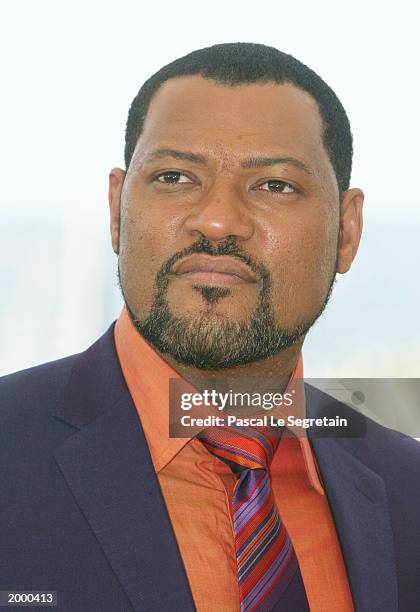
(241, 447)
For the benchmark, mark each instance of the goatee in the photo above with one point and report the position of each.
(209, 341)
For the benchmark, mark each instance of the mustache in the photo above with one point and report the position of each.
(228, 247)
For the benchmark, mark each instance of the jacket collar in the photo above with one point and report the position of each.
(358, 502)
(108, 468)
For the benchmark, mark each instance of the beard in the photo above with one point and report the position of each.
(209, 341)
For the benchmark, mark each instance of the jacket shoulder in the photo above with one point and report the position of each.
(28, 391)
(29, 397)
(383, 446)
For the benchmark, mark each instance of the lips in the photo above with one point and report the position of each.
(216, 265)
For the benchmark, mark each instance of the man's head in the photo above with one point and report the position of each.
(234, 213)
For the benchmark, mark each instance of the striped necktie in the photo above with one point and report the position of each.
(266, 560)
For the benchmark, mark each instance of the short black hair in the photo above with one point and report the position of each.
(239, 63)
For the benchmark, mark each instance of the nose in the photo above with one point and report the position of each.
(219, 214)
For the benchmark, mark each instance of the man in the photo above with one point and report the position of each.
(230, 222)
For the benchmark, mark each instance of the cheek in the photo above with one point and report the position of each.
(303, 259)
(142, 253)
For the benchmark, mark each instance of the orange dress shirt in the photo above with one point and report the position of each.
(197, 486)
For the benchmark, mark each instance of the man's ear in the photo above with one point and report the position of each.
(116, 182)
(351, 224)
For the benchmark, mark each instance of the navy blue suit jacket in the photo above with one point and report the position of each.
(82, 512)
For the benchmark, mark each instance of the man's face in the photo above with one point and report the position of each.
(229, 221)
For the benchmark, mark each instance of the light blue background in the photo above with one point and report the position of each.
(69, 73)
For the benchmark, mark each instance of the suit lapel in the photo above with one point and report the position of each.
(108, 468)
(358, 502)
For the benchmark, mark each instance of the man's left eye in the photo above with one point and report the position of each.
(277, 186)
(172, 177)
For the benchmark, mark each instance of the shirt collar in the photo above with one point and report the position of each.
(147, 376)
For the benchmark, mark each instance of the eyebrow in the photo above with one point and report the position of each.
(263, 162)
(251, 162)
(182, 155)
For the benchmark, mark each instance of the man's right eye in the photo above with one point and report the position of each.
(172, 177)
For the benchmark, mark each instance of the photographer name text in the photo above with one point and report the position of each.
(265, 420)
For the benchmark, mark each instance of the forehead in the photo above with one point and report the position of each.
(194, 113)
